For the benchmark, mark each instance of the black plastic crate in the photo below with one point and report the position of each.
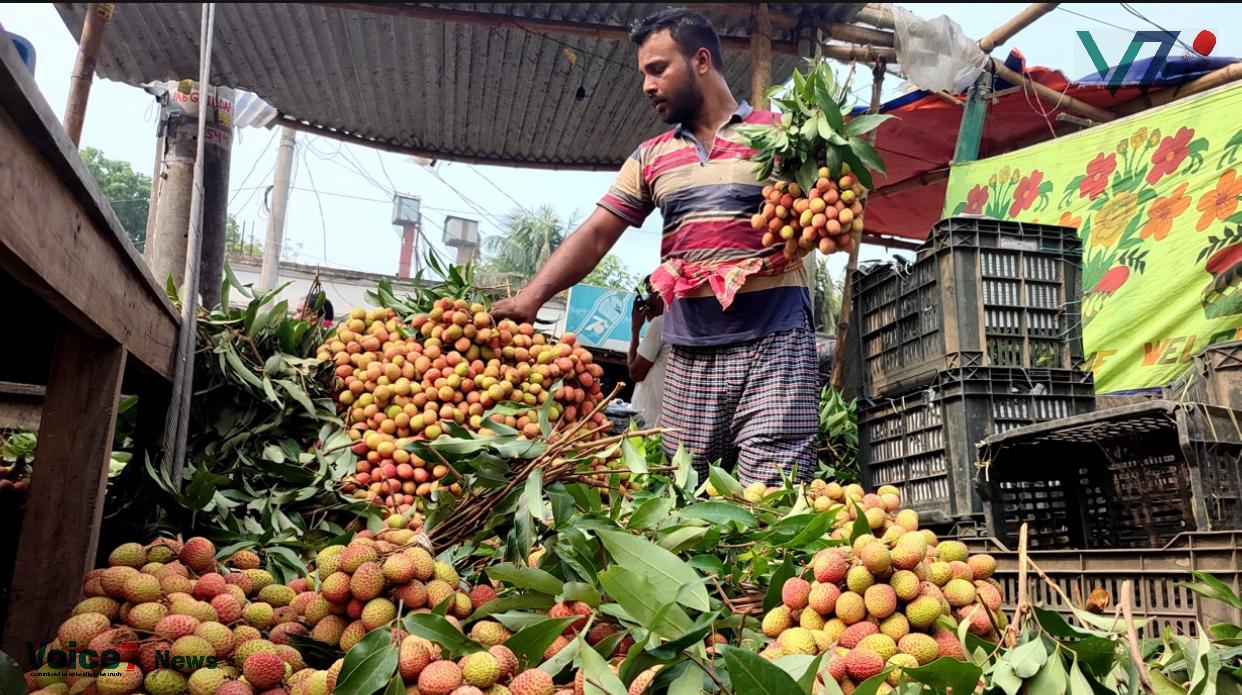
(924, 443)
(1215, 377)
(1129, 477)
(979, 292)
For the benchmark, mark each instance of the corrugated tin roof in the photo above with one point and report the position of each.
(506, 94)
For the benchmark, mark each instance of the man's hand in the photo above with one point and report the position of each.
(517, 308)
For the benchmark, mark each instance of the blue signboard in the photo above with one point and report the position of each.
(600, 317)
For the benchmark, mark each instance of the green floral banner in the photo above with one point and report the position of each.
(1155, 199)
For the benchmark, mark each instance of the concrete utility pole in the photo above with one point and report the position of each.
(269, 275)
(166, 240)
(173, 186)
(215, 214)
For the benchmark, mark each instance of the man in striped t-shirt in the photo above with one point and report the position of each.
(741, 377)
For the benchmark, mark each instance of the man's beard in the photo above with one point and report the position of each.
(683, 105)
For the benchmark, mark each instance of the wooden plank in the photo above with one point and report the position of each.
(59, 236)
(20, 405)
(51, 244)
(60, 530)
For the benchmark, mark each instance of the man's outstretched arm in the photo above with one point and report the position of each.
(572, 261)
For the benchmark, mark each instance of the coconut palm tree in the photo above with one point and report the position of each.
(825, 298)
(528, 241)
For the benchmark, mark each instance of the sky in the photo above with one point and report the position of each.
(355, 184)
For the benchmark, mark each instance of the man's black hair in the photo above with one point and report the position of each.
(326, 312)
(690, 30)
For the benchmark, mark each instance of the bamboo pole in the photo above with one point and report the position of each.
(1212, 80)
(847, 293)
(177, 421)
(97, 16)
(761, 57)
(847, 53)
(1052, 96)
(852, 33)
(1019, 22)
(877, 14)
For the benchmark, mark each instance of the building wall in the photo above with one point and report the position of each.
(347, 289)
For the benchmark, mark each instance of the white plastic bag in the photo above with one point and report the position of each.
(936, 54)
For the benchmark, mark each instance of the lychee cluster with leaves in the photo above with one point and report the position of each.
(813, 132)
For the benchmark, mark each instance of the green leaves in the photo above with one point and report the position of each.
(945, 673)
(437, 629)
(812, 132)
(634, 459)
(814, 530)
(861, 125)
(786, 570)
(530, 643)
(11, 679)
(802, 668)
(1027, 659)
(524, 577)
(511, 603)
(661, 568)
(752, 674)
(639, 598)
(720, 513)
(600, 680)
(1213, 588)
(1078, 683)
(725, 484)
(1051, 679)
(369, 665)
(861, 527)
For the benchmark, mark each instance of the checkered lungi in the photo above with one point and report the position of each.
(752, 404)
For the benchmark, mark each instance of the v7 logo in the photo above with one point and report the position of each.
(1164, 41)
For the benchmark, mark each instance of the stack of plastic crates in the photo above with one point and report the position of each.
(979, 334)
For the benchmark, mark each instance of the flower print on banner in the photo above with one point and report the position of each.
(1173, 150)
(1221, 202)
(975, 200)
(1096, 180)
(1163, 211)
(1222, 259)
(1030, 189)
(1068, 220)
(1114, 219)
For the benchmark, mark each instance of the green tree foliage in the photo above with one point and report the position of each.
(612, 273)
(825, 298)
(528, 241)
(127, 190)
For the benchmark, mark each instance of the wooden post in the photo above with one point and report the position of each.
(60, 531)
(970, 132)
(761, 57)
(844, 351)
(97, 16)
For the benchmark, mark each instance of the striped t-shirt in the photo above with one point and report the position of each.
(706, 196)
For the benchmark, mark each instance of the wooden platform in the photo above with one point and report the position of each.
(85, 298)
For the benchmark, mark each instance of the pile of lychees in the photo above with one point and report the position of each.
(890, 600)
